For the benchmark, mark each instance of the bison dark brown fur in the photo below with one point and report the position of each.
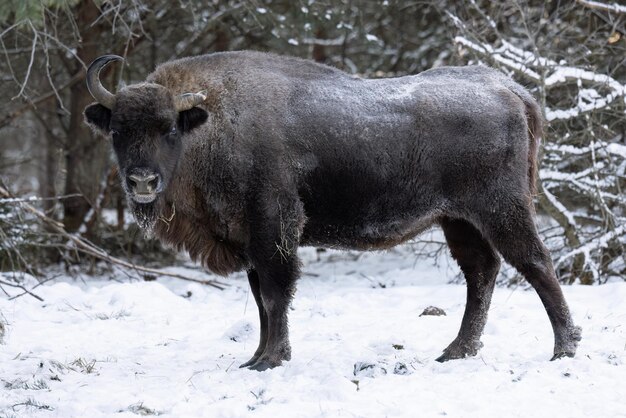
(280, 152)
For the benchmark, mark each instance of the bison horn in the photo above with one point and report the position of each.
(188, 100)
(95, 87)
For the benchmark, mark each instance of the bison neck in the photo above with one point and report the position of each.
(200, 234)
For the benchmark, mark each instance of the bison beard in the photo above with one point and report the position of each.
(146, 215)
(272, 153)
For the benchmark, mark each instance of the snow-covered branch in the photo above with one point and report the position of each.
(556, 74)
(607, 7)
(595, 245)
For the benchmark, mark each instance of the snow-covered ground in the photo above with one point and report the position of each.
(104, 348)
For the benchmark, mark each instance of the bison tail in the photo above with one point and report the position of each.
(534, 121)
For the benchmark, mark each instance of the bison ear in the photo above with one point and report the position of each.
(191, 119)
(98, 117)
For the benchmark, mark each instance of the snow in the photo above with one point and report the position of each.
(106, 348)
(617, 149)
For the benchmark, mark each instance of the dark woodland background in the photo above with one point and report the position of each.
(570, 54)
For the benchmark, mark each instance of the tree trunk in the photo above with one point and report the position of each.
(86, 156)
(319, 52)
(47, 154)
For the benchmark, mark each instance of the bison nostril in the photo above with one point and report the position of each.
(132, 183)
(153, 183)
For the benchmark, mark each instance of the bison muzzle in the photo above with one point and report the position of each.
(239, 158)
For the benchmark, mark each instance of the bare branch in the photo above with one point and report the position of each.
(78, 77)
(30, 64)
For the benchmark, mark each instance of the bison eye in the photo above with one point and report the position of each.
(170, 137)
(115, 135)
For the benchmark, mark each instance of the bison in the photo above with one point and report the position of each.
(239, 158)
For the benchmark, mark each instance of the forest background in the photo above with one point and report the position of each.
(61, 204)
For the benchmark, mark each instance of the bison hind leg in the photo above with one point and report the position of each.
(514, 235)
(480, 265)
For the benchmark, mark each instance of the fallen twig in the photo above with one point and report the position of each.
(37, 199)
(19, 286)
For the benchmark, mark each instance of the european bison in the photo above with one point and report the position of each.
(241, 157)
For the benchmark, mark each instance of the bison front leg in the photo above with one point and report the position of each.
(253, 280)
(277, 279)
(274, 238)
(276, 296)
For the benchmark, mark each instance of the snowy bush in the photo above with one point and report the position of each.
(16, 233)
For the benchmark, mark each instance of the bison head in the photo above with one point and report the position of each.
(146, 123)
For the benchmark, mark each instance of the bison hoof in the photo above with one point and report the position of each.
(566, 345)
(269, 359)
(249, 362)
(457, 350)
(562, 354)
(262, 365)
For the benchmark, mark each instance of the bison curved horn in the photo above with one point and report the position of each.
(95, 87)
(188, 100)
